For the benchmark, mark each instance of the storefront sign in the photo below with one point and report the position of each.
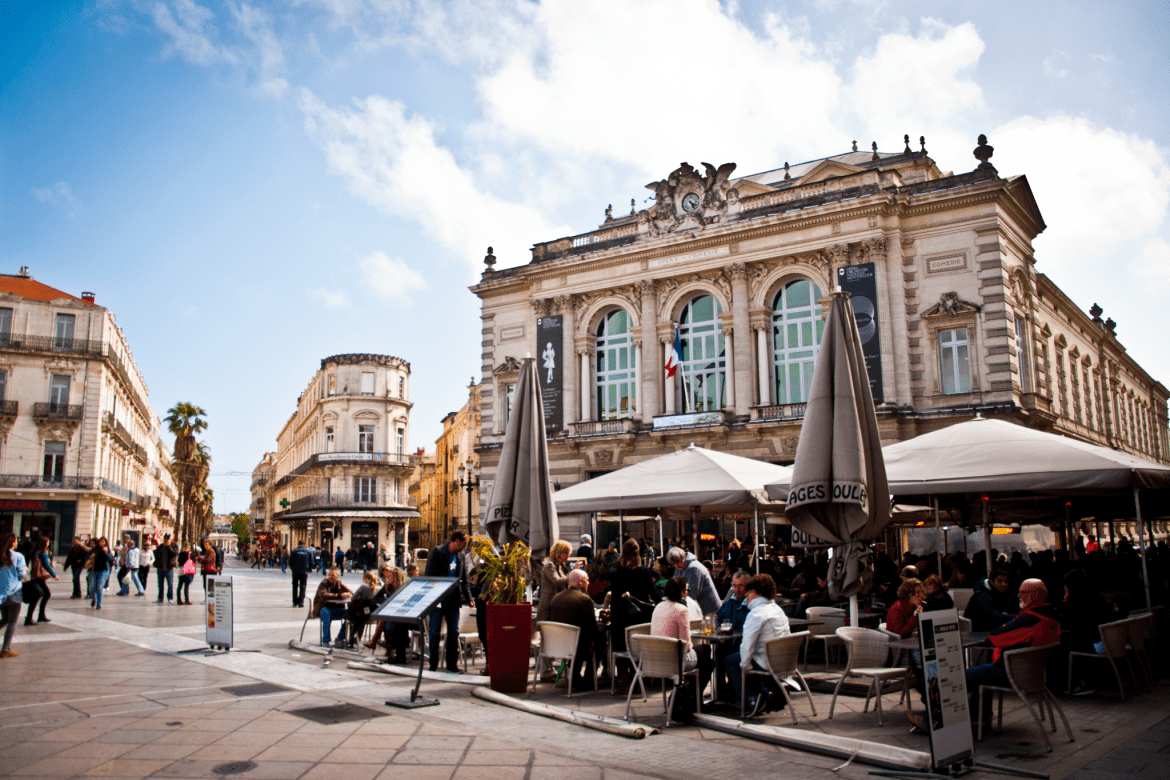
(945, 676)
(860, 282)
(328, 456)
(550, 369)
(9, 505)
(219, 612)
(803, 539)
(686, 420)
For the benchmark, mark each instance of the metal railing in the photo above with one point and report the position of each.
(52, 411)
(52, 344)
(781, 412)
(52, 483)
(8, 408)
(599, 427)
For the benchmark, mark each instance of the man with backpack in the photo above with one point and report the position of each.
(300, 561)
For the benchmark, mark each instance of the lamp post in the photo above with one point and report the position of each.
(469, 481)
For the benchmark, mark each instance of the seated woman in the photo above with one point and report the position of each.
(361, 605)
(330, 591)
(672, 618)
(937, 595)
(901, 619)
(394, 635)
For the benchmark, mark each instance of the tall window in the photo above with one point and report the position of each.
(797, 328)
(332, 385)
(401, 387)
(59, 390)
(955, 361)
(400, 441)
(615, 366)
(3, 385)
(64, 332)
(1022, 353)
(329, 440)
(704, 362)
(5, 325)
(367, 383)
(509, 391)
(365, 490)
(54, 461)
(365, 438)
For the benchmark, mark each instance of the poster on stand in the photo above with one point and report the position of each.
(415, 599)
(219, 611)
(944, 674)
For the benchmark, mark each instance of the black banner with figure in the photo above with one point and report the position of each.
(551, 369)
(861, 284)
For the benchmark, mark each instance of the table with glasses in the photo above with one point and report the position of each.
(714, 638)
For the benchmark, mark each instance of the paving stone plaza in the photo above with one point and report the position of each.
(111, 694)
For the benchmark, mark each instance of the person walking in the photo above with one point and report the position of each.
(38, 587)
(301, 563)
(12, 572)
(164, 563)
(207, 565)
(186, 574)
(131, 561)
(145, 561)
(101, 562)
(75, 562)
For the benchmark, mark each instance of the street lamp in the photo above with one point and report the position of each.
(469, 481)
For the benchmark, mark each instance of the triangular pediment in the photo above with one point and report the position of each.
(829, 169)
(510, 366)
(951, 305)
(1022, 192)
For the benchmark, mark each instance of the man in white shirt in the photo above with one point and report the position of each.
(765, 621)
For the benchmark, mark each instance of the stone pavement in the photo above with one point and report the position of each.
(108, 694)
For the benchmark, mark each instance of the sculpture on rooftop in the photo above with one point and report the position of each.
(686, 200)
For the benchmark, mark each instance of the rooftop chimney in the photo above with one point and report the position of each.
(88, 298)
(23, 272)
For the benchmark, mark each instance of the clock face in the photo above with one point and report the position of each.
(690, 202)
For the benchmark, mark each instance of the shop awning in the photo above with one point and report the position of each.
(380, 514)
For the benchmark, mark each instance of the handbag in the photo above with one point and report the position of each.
(39, 572)
(637, 611)
(189, 567)
(682, 702)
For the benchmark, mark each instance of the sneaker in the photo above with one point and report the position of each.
(7, 654)
(755, 705)
(916, 721)
(139, 594)
(1083, 689)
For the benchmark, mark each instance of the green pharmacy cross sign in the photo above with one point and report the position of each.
(284, 503)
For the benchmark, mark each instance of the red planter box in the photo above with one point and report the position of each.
(509, 643)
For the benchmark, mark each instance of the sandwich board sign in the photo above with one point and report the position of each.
(219, 612)
(945, 677)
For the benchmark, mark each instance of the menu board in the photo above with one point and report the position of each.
(945, 676)
(414, 599)
(219, 611)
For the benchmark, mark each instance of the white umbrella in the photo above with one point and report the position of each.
(521, 505)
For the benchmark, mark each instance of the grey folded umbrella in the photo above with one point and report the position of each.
(521, 505)
(838, 489)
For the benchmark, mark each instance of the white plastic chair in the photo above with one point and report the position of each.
(558, 642)
(657, 657)
(469, 641)
(831, 619)
(1025, 671)
(869, 651)
(614, 655)
(783, 655)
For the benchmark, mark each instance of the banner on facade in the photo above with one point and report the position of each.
(219, 612)
(551, 369)
(860, 282)
(945, 677)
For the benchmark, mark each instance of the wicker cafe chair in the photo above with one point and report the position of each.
(614, 655)
(1140, 635)
(469, 642)
(1114, 637)
(558, 642)
(657, 656)
(1025, 670)
(868, 652)
(783, 654)
(831, 619)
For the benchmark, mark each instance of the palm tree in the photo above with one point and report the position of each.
(184, 420)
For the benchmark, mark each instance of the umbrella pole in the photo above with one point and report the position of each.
(756, 542)
(987, 535)
(661, 538)
(695, 532)
(937, 537)
(621, 522)
(1137, 505)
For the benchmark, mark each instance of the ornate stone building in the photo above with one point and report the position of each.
(338, 476)
(80, 446)
(446, 483)
(955, 316)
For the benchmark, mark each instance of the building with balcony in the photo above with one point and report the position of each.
(955, 314)
(81, 451)
(445, 484)
(339, 475)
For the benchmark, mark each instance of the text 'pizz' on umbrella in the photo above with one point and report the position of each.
(521, 505)
(838, 490)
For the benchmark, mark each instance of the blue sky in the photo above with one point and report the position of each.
(251, 187)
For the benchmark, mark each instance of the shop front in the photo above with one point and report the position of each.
(54, 519)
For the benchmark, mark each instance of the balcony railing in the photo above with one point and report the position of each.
(34, 481)
(8, 408)
(52, 344)
(691, 420)
(780, 412)
(347, 458)
(601, 427)
(53, 411)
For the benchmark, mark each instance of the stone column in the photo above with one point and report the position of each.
(762, 366)
(895, 336)
(651, 377)
(586, 388)
(636, 407)
(737, 274)
(564, 306)
(729, 348)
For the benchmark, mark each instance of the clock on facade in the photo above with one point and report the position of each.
(690, 202)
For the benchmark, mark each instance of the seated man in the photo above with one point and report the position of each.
(991, 603)
(735, 611)
(765, 621)
(331, 589)
(1037, 624)
(574, 607)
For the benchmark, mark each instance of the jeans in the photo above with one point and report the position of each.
(185, 588)
(299, 581)
(42, 598)
(731, 665)
(328, 613)
(451, 613)
(167, 577)
(100, 578)
(984, 674)
(77, 570)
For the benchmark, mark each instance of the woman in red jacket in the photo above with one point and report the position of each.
(902, 617)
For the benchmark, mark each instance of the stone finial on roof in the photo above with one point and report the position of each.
(1095, 312)
(787, 175)
(609, 213)
(1111, 326)
(922, 143)
(906, 138)
(875, 154)
(489, 261)
(633, 209)
(983, 154)
(855, 146)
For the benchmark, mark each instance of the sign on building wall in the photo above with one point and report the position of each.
(550, 364)
(861, 283)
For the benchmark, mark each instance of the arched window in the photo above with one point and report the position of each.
(615, 367)
(704, 361)
(797, 326)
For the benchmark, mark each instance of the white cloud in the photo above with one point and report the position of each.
(331, 298)
(394, 162)
(191, 32)
(1154, 261)
(59, 193)
(256, 26)
(390, 277)
(1055, 64)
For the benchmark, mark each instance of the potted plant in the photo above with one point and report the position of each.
(502, 576)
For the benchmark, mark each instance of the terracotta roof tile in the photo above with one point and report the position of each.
(31, 289)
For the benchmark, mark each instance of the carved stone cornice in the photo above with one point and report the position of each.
(542, 306)
(56, 429)
(735, 272)
(563, 304)
(950, 305)
(873, 250)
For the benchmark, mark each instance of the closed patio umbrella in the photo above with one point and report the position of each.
(838, 485)
(521, 505)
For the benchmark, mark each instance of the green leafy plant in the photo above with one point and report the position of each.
(503, 573)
